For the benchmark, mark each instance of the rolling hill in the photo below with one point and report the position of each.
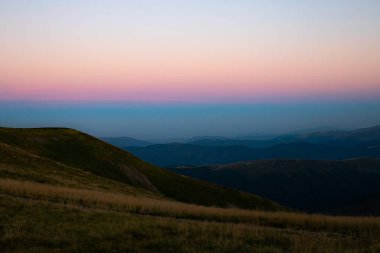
(335, 187)
(64, 191)
(80, 151)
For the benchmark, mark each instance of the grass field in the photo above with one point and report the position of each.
(38, 217)
(64, 191)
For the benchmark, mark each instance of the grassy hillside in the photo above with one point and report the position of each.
(339, 187)
(73, 149)
(37, 217)
(52, 202)
(19, 164)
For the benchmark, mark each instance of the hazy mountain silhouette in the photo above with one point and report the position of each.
(178, 154)
(330, 145)
(338, 187)
(348, 138)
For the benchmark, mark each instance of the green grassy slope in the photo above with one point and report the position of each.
(73, 149)
(52, 202)
(19, 164)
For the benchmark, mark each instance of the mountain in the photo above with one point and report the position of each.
(177, 154)
(65, 191)
(235, 142)
(337, 187)
(197, 138)
(323, 145)
(55, 148)
(365, 137)
(125, 142)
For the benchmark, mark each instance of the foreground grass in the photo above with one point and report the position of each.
(37, 217)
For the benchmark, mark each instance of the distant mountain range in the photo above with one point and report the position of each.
(354, 138)
(336, 187)
(171, 155)
(365, 137)
(360, 137)
(329, 145)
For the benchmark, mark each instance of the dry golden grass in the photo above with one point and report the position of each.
(66, 199)
(167, 208)
(39, 217)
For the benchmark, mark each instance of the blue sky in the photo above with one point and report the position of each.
(174, 69)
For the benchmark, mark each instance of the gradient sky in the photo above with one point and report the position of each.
(165, 121)
(219, 53)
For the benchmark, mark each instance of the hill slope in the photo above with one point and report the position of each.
(72, 149)
(343, 187)
(65, 202)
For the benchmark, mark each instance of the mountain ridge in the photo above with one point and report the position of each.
(179, 154)
(86, 154)
(334, 187)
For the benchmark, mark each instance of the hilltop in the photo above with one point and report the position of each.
(64, 191)
(75, 150)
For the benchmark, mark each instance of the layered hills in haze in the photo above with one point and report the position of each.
(364, 137)
(334, 171)
(324, 145)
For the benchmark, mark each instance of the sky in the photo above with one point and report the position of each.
(141, 67)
